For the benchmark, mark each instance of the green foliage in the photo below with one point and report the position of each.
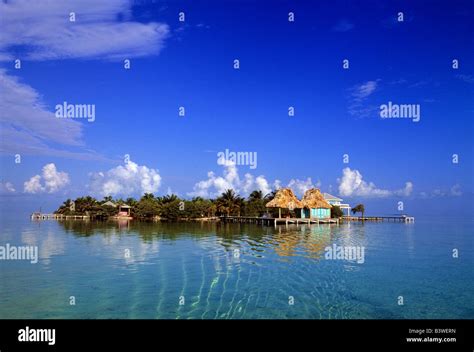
(255, 204)
(336, 212)
(359, 208)
(171, 207)
(146, 208)
(229, 203)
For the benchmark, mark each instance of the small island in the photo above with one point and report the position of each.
(279, 206)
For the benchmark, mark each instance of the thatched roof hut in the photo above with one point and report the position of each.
(284, 198)
(313, 199)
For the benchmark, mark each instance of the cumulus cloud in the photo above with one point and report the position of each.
(125, 180)
(215, 185)
(43, 30)
(301, 186)
(6, 188)
(352, 184)
(51, 180)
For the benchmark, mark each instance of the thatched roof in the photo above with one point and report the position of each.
(314, 199)
(284, 198)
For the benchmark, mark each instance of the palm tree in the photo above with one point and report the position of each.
(229, 202)
(65, 207)
(269, 196)
(131, 201)
(108, 199)
(170, 198)
(148, 196)
(255, 196)
(359, 208)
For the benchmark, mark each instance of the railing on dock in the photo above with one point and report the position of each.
(401, 218)
(40, 216)
(276, 221)
(298, 221)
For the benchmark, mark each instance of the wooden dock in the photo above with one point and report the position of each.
(298, 221)
(276, 221)
(401, 218)
(40, 216)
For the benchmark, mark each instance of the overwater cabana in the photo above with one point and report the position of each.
(314, 205)
(286, 199)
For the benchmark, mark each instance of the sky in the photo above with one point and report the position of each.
(291, 58)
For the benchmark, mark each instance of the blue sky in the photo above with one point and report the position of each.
(282, 64)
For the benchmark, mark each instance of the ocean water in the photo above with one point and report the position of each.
(238, 271)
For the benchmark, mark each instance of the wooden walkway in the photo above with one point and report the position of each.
(401, 218)
(39, 216)
(276, 221)
(298, 221)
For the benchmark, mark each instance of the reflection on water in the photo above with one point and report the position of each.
(286, 241)
(132, 269)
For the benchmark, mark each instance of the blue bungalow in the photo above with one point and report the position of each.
(314, 205)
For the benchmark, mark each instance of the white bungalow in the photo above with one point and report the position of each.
(333, 200)
(123, 209)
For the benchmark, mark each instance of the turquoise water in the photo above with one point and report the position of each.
(194, 271)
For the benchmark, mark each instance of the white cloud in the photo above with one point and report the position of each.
(130, 179)
(51, 180)
(358, 98)
(6, 187)
(27, 127)
(216, 185)
(405, 191)
(364, 90)
(466, 78)
(454, 191)
(351, 184)
(42, 30)
(23, 109)
(301, 186)
(33, 185)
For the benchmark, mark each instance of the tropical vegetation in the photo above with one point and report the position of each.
(170, 207)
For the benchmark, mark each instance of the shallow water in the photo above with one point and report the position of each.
(194, 270)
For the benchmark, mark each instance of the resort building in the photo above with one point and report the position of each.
(314, 205)
(333, 200)
(123, 209)
(286, 199)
